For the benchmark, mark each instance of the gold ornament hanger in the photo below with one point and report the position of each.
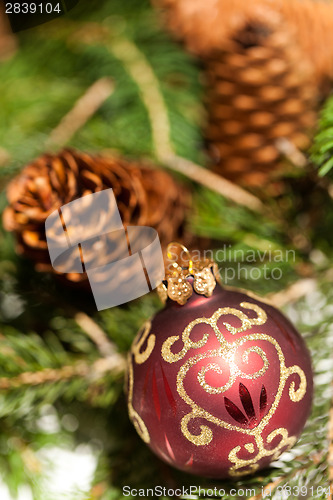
(181, 266)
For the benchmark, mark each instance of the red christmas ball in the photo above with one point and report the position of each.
(220, 386)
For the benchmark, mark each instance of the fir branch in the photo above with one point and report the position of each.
(4, 157)
(28, 455)
(293, 293)
(97, 335)
(143, 74)
(84, 108)
(213, 181)
(322, 150)
(115, 364)
(43, 376)
(290, 151)
(270, 487)
(44, 369)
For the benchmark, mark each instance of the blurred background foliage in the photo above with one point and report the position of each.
(50, 368)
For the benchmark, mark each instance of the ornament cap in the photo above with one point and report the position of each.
(185, 273)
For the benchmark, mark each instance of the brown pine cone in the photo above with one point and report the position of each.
(206, 26)
(145, 196)
(260, 95)
(268, 64)
(311, 24)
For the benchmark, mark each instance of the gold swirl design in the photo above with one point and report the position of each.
(245, 359)
(206, 434)
(246, 466)
(229, 356)
(202, 381)
(227, 351)
(141, 357)
(247, 323)
(138, 423)
(297, 395)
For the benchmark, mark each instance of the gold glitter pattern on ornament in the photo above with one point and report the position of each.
(247, 323)
(138, 423)
(141, 357)
(243, 467)
(245, 359)
(234, 371)
(228, 353)
(249, 447)
(297, 395)
(202, 381)
(177, 285)
(204, 282)
(179, 290)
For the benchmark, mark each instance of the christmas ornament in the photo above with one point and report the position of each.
(219, 382)
(145, 196)
(267, 65)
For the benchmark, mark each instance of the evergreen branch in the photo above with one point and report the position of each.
(41, 368)
(330, 190)
(290, 151)
(115, 363)
(213, 181)
(323, 145)
(98, 490)
(268, 490)
(97, 335)
(293, 293)
(84, 108)
(143, 74)
(4, 157)
(270, 487)
(44, 376)
(29, 458)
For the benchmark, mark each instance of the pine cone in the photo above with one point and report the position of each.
(311, 24)
(206, 26)
(259, 91)
(145, 196)
(267, 67)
